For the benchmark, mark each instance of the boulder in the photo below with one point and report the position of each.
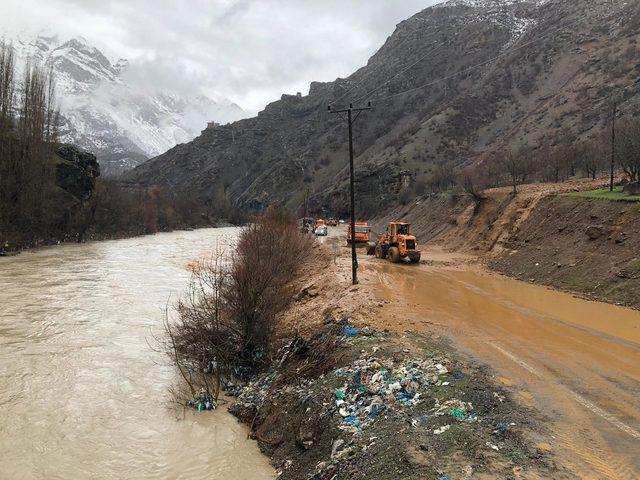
(594, 231)
(77, 172)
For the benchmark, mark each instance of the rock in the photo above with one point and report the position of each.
(337, 445)
(306, 433)
(310, 290)
(594, 231)
(77, 172)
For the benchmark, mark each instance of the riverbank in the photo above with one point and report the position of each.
(8, 249)
(585, 246)
(349, 400)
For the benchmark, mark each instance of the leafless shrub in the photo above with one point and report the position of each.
(225, 322)
(471, 180)
(268, 257)
(442, 178)
(197, 340)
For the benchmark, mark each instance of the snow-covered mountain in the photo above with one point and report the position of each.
(104, 112)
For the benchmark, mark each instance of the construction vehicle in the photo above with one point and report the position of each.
(321, 231)
(396, 244)
(319, 223)
(363, 229)
(307, 224)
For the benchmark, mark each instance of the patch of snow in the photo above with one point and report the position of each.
(501, 12)
(492, 3)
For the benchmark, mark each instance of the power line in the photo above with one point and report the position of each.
(402, 72)
(468, 69)
(371, 72)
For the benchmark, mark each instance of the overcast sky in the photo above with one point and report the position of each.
(250, 51)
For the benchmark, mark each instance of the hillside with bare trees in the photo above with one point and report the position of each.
(494, 93)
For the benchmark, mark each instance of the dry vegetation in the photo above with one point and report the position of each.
(224, 325)
(574, 158)
(117, 211)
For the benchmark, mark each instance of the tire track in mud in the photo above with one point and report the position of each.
(576, 396)
(591, 452)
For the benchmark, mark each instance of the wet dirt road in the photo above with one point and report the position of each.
(576, 361)
(83, 394)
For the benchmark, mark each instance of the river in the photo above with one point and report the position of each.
(83, 393)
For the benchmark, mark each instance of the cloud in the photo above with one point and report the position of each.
(250, 51)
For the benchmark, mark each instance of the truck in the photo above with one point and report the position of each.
(363, 230)
(396, 244)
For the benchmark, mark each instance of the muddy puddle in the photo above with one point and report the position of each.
(576, 361)
(82, 392)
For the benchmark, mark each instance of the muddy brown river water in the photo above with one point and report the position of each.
(82, 393)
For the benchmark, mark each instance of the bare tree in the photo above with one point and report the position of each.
(628, 148)
(27, 132)
(518, 166)
(7, 86)
(591, 155)
(473, 181)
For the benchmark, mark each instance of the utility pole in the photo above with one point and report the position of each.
(350, 119)
(304, 211)
(613, 143)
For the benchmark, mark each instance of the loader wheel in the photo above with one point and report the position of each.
(394, 254)
(380, 252)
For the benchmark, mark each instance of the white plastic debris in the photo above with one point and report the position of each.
(441, 430)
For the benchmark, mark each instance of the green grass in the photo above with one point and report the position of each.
(605, 194)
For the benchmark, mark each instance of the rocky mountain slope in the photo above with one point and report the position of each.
(107, 114)
(452, 83)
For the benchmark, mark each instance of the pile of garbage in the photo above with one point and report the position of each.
(202, 400)
(253, 394)
(349, 414)
(374, 389)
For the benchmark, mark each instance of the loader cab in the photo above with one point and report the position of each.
(394, 229)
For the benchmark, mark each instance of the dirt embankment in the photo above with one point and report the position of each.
(587, 246)
(347, 401)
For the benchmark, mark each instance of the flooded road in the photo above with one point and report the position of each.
(576, 361)
(83, 395)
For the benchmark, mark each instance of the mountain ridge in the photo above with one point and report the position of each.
(452, 84)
